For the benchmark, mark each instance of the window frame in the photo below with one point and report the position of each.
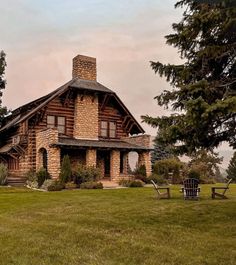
(56, 123)
(108, 129)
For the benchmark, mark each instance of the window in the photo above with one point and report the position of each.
(108, 129)
(112, 129)
(104, 126)
(57, 122)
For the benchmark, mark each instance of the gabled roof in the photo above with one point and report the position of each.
(28, 110)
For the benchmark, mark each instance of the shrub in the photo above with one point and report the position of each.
(30, 175)
(194, 174)
(124, 182)
(91, 185)
(42, 175)
(169, 167)
(131, 183)
(140, 173)
(3, 174)
(31, 179)
(136, 183)
(66, 172)
(55, 186)
(158, 179)
(70, 185)
(52, 185)
(86, 174)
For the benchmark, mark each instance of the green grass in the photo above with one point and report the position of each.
(126, 226)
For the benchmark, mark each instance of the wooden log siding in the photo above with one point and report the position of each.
(109, 113)
(56, 108)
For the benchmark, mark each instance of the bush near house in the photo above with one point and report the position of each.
(131, 183)
(3, 174)
(31, 179)
(158, 179)
(141, 174)
(42, 175)
(91, 185)
(169, 169)
(86, 174)
(66, 172)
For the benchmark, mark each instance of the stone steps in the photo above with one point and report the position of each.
(14, 181)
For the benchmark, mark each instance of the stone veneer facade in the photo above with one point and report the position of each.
(45, 139)
(86, 117)
(144, 157)
(84, 67)
(91, 157)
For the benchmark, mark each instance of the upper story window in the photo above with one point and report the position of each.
(57, 122)
(108, 129)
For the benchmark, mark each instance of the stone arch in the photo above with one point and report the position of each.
(43, 158)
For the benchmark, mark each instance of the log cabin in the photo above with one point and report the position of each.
(83, 119)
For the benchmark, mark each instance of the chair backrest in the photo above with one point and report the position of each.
(191, 188)
(155, 186)
(227, 186)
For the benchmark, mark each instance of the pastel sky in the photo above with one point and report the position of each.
(40, 39)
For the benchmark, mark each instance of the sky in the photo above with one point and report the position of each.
(40, 39)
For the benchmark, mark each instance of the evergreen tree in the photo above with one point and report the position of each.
(231, 171)
(66, 172)
(161, 151)
(204, 86)
(3, 110)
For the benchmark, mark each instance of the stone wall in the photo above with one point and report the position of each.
(84, 67)
(86, 117)
(143, 140)
(43, 140)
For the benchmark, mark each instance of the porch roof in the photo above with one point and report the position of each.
(99, 144)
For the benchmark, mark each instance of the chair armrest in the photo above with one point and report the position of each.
(220, 188)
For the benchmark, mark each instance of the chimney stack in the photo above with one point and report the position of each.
(84, 67)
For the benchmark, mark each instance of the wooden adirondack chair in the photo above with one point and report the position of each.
(190, 189)
(223, 189)
(161, 195)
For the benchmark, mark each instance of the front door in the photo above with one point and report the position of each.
(107, 164)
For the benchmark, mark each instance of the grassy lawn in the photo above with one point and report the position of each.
(126, 226)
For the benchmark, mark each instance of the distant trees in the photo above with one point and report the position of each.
(231, 171)
(206, 164)
(204, 85)
(3, 110)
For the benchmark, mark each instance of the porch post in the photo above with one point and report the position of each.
(115, 165)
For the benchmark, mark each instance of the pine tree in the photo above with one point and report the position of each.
(231, 171)
(161, 151)
(3, 110)
(66, 172)
(204, 86)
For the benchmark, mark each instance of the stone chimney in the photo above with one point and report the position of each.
(84, 67)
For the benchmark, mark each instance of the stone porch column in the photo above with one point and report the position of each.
(115, 165)
(125, 163)
(54, 162)
(144, 158)
(91, 157)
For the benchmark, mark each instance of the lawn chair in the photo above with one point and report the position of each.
(190, 189)
(161, 195)
(223, 189)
